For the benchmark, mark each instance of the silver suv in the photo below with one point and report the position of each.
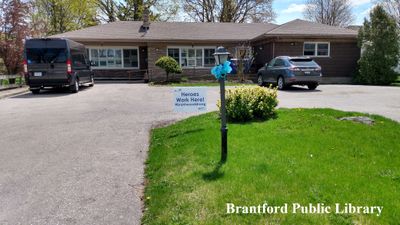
(285, 71)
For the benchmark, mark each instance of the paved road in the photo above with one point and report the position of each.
(79, 158)
(383, 101)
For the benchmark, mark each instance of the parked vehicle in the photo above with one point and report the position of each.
(56, 62)
(285, 71)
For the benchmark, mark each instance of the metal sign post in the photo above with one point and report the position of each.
(220, 72)
(224, 129)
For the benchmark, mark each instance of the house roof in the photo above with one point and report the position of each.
(170, 31)
(191, 31)
(302, 28)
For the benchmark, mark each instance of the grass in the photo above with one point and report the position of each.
(397, 82)
(303, 156)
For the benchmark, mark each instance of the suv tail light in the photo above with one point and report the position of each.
(318, 69)
(25, 67)
(294, 69)
(69, 67)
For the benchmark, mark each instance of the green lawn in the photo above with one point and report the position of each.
(303, 156)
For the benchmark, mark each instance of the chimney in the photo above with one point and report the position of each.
(146, 19)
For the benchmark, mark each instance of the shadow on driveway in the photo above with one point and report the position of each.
(299, 89)
(51, 92)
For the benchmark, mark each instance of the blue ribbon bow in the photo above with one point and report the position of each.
(221, 71)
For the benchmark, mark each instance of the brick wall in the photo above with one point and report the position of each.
(155, 51)
(342, 61)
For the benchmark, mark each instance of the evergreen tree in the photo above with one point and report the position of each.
(379, 41)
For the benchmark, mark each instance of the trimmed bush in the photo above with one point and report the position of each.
(169, 64)
(248, 103)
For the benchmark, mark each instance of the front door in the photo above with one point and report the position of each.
(143, 58)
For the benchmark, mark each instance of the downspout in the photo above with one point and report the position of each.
(273, 49)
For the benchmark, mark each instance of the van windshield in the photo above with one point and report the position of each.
(303, 62)
(46, 55)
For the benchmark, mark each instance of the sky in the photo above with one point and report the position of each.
(288, 10)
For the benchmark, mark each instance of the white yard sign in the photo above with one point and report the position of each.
(190, 99)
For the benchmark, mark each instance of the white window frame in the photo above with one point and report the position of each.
(122, 57)
(180, 47)
(316, 49)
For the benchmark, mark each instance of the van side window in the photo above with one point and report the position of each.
(78, 60)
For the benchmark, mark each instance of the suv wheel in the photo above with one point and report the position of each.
(35, 91)
(312, 86)
(260, 81)
(91, 81)
(281, 83)
(75, 88)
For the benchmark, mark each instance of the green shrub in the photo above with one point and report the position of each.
(169, 64)
(5, 82)
(248, 103)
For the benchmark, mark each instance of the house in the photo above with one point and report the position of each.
(130, 48)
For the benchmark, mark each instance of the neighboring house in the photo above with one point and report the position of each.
(130, 48)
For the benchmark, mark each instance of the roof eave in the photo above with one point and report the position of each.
(312, 35)
(127, 40)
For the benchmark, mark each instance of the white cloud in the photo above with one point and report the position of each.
(367, 11)
(356, 3)
(295, 8)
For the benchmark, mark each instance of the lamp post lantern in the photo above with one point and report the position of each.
(221, 56)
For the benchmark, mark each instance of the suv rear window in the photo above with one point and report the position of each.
(303, 62)
(46, 55)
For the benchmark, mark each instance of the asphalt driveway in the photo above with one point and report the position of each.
(79, 158)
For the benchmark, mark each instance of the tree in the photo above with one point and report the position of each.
(66, 15)
(330, 12)
(237, 11)
(125, 10)
(169, 64)
(107, 9)
(133, 9)
(378, 39)
(393, 8)
(13, 30)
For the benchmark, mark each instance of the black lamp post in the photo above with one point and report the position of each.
(221, 56)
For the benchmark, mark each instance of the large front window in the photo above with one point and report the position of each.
(193, 57)
(114, 57)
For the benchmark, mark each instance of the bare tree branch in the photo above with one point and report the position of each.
(393, 8)
(330, 12)
(236, 11)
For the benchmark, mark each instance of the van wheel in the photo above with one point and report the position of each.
(35, 91)
(91, 84)
(281, 83)
(75, 88)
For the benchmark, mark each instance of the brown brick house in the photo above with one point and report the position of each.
(127, 49)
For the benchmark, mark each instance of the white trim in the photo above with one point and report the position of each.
(90, 47)
(316, 49)
(180, 47)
